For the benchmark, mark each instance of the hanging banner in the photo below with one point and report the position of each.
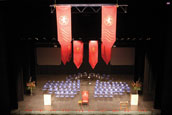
(109, 18)
(69, 52)
(65, 54)
(63, 16)
(78, 53)
(93, 53)
(103, 52)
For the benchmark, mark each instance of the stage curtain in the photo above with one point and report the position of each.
(63, 16)
(109, 18)
(93, 53)
(78, 53)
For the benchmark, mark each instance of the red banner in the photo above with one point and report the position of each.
(63, 16)
(77, 53)
(109, 18)
(93, 53)
(69, 52)
(66, 53)
(105, 53)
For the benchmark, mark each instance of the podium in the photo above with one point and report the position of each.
(85, 97)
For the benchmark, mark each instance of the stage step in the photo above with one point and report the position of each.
(18, 112)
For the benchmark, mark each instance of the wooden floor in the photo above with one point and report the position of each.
(34, 103)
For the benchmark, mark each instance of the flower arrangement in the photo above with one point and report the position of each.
(136, 85)
(30, 86)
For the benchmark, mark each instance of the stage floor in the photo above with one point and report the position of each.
(35, 102)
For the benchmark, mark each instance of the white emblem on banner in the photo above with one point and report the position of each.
(63, 20)
(108, 21)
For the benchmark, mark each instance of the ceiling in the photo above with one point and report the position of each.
(35, 20)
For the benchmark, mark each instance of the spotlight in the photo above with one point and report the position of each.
(44, 38)
(128, 38)
(36, 39)
(168, 3)
(114, 46)
(53, 39)
(148, 39)
(134, 39)
(29, 38)
(122, 38)
(55, 46)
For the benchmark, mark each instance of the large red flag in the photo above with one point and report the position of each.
(77, 53)
(109, 17)
(93, 53)
(63, 16)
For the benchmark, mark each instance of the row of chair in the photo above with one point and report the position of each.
(62, 88)
(109, 89)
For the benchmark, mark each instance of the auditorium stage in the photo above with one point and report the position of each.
(34, 104)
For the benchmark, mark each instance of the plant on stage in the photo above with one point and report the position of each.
(30, 86)
(136, 85)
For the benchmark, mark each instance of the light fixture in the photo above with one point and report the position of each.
(44, 38)
(122, 38)
(53, 39)
(29, 38)
(148, 39)
(134, 39)
(168, 3)
(36, 39)
(55, 46)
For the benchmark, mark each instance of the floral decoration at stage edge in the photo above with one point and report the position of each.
(31, 86)
(136, 86)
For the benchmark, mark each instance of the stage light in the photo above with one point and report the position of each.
(114, 46)
(134, 39)
(44, 38)
(36, 39)
(29, 38)
(122, 38)
(53, 39)
(168, 3)
(55, 46)
(47, 99)
(148, 39)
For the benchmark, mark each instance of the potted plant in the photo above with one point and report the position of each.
(30, 86)
(135, 96)
(136, 86)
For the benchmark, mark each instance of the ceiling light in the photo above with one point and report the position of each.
(122, 38)
(167, 3)
(44, 38)
(36, 39)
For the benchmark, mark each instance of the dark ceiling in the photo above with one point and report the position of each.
(34, 19)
